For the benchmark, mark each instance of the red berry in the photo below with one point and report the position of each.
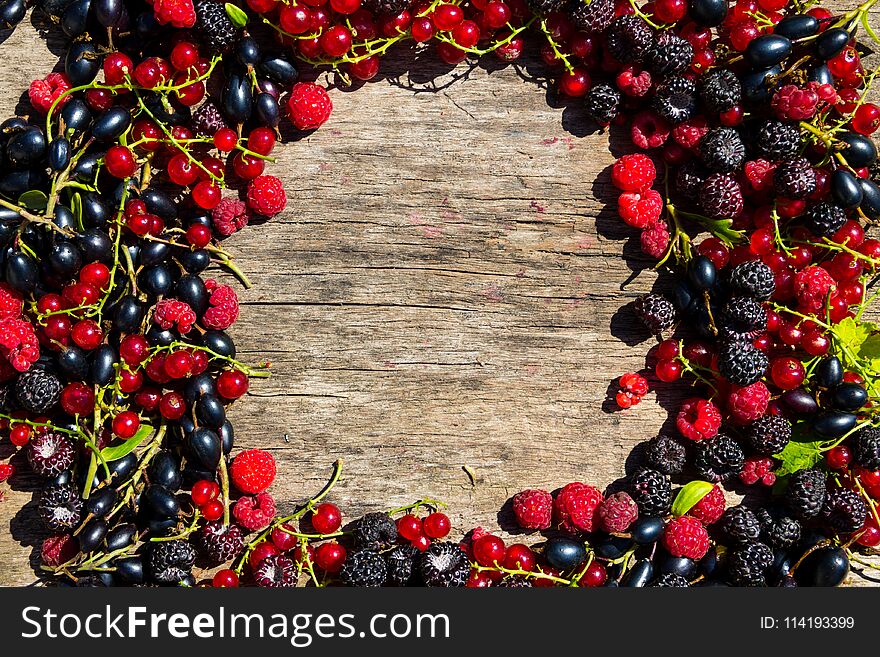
(284, 540)
(87, 334)
(668, 370)
(172, 406)
(126, 424)
(212, 510)
(520, 557)
(595, 576)
(437, 525)
(409, 527)
(260, 552)
(225, 579)
(787, 372)
(489, 550)
(20, 435)
(327, 518)
(329, 557)
(336, 41)
(203, 491)
(232, 384)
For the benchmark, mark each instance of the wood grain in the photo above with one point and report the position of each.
(444, 290)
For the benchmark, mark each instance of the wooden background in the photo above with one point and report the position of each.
(445, 289)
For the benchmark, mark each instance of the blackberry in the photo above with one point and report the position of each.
(720, 90)
(749, 563)
(806, 493)
(218, 33)
(602, 103)
(591, 16)
(778, 530)
(769, 435)
(444, 564)
(208, 119)
(741, 363)
(719, 458)
(171, 561)
(824, 219)
(277, 571)
(364, 569)
(401, 562)
(778, 140)
(844, 510)
(670, 55)
(50, 454)
(651, 491)
(671, 581)
(665, 454)
(541, 7)
(656, 312)
(220, 542)
(675, 100)
(794, 178)
(740, 524)
(689, 180)
(393, 7)
(514, 582)
(866, 448)
(375, 531)
(753, 278)
(37, 391)
(721, 197)
(60, 507)
(743, 316)
(722, 149)
(629, 39)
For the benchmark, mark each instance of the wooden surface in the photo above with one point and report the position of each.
(444, 290)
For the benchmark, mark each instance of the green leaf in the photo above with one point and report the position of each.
(236, 15)
(799, 456)
(851, 333)
(689, 495)
(124, 449)
(33, 200)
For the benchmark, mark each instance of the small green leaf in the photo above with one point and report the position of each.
(689, 495)
(33, 200)
(236, 15)
(799, 456)
(124, 449)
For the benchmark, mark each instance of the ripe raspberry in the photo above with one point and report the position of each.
(639, 209)
(180, 13)
(759, 173)
(632, 388)
(220, 542)
(224, 306)
(633, 173)
(265, 196)
(171, 313)
(698, 419)
(254, 512)
(575, 507)
(633, 82)
(795, 104)
(10, 302)
(649, 130)
(617, 512)
(746, 404)
(18, 343)
(276, 571)
(533, 509)
(710, 508)
(230, 216)
(309, 106)
(812, 286)
(655, 239)
(49, 454)
(58, 549)
(42, 93)
(758, 469)
(252, 471)
(688, 134)
(686, 537)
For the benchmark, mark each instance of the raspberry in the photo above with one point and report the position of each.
(634, 383)
(180, 13)
(648, 130)
(686, 537)
(721, 197)
(276, 571)
(759, 173)
(689, 133)
(617, 512)
(10, 302)
(254, 512)
(533, 509)
(633, 173)
(265, 196)
(309, 106)
(710, 507)
(794, 104)
(758, 469)
(224, 306)
(42, 93)
(18, 343)
(252, 471)
(812, 286)
(698, 419)
(655, 239)
(633, 82)
(58, 549)
(230, 216)
(171, 313)
(794, 178)
(746, 404)
(575, 507)
(639, 209)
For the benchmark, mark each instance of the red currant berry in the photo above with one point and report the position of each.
(225, 579)
(232, 384)
(329, 557)
(172, 406)
(212, 510)
(489, 550)
(126, 424)
(78, 399)
(838, 458)
(437, 525)
(787, 372)
(520, 557)
(595, 576)
(87, 334)
(260, 552)
(203, 491)
(284, 540)
(409, 527)
(327, 518)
